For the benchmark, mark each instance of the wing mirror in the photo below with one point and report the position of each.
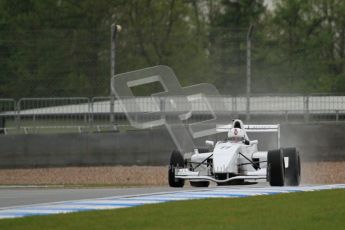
(253, 142)
(210, 143)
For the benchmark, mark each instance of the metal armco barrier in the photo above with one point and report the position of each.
(81, 114)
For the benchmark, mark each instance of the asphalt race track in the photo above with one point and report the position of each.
(17, 196)
(28, 195)
(21, 202)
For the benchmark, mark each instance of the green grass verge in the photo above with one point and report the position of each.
(305, 210)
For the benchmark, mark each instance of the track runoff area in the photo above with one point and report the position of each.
(153, 198)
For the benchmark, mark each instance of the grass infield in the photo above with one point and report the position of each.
(301, 210)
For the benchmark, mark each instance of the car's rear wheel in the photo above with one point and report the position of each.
(199, 183)
(275, 168)
(293, 171)
(176, 161)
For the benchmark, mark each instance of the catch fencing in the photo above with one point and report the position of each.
(106, 114)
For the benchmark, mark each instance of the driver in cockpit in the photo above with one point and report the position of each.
(236, 135)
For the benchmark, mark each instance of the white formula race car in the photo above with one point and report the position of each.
(236, 160)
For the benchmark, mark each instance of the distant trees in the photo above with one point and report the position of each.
(61, 47)
(163, 32)
(310, 40)
(229, 23)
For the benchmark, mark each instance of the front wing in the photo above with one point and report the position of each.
(186, 174)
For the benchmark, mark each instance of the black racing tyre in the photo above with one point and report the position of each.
(199, 183)
(275, 168)
(293, 171)
(176, 161)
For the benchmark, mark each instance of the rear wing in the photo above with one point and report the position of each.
(254, 129)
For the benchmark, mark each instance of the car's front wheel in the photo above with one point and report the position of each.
(275, 168)
(176, 161)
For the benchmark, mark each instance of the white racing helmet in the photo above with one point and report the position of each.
(236, 135)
